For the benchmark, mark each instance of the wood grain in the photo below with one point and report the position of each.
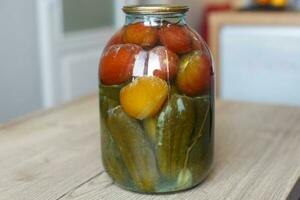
(55, 155)
(219, 19)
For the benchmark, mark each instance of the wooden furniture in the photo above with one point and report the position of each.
(260, 19)
(55, 155)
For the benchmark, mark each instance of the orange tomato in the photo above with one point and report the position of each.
(116, 38)
(194, 74)
(144, 96)
(176, 38)
(117, 63)
(140, 34)
(162, 63)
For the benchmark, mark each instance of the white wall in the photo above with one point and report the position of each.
(19, 71)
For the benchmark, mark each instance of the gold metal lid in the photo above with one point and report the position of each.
(155, 9)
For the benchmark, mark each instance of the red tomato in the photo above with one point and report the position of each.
(197, 42)
(194, 74)
(162, 63)
(117, 63)
(139, 34)
(176, 38)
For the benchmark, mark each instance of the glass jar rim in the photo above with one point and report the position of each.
(152, 9)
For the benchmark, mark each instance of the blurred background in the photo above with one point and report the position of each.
(49, 49)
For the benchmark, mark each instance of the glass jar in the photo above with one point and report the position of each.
(156, 102)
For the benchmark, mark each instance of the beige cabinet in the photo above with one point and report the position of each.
(257, 56)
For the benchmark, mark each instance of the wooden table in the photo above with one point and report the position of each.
(56, 155)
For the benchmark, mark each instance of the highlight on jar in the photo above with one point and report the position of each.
(156, 83)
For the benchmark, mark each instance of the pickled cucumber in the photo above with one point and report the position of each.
(199, 156)
(109, 98)
(112, 159)
(174, 130)
(111, 156)
(149, 125)
(134, 148)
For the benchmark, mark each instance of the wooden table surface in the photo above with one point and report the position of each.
(56, 155)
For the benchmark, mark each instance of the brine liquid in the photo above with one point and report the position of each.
(169, 152)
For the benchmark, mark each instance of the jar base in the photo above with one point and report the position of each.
(165, 188)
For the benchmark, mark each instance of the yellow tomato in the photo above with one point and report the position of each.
(144, 96)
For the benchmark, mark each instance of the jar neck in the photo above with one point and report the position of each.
(156, 19)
